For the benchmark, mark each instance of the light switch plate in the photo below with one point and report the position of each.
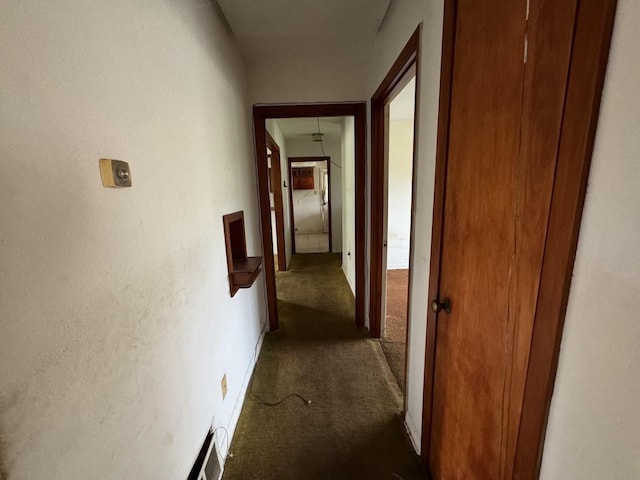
(115, 173)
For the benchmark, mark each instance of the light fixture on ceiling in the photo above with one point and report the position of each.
(318, 137)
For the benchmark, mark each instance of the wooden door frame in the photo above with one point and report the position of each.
(358, 110)
(293, 223)
(276, 184)
(589, 56)
(406, 67)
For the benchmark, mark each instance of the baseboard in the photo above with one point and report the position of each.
(223, 449)
(413, 431)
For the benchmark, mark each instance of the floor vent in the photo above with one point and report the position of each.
(207, 465)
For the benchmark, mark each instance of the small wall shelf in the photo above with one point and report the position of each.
(243, 270)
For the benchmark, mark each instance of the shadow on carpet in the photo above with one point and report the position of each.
(352, 428)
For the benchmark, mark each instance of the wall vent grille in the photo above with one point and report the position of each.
(207, 465)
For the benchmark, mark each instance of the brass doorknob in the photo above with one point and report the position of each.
(444, 305)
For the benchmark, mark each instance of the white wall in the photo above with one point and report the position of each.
(276, 134)
(594, 424)
(117, 324)
(348, 202)
(399, 187)
(303, 147)
(402, 20)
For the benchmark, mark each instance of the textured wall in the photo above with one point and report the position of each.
(116, 321)
(594, 425)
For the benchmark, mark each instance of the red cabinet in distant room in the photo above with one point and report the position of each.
(302, 178)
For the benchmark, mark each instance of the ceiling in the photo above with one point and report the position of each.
(303, 127)
(302, 27)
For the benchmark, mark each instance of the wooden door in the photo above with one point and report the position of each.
(509, 77)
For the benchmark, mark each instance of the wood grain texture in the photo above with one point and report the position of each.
(549, 41)
(442, 150)
(302, 178)
(592, 37)
(242, 270)
(478, 240)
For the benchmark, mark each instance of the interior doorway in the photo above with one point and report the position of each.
(515, 134)
(393, 158)
(310, 199)
(349, 117)
(275, 203)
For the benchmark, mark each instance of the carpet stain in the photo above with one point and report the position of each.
(352, 429)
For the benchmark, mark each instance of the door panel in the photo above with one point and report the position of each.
(549, 38)
(504, 126)
(478, 238)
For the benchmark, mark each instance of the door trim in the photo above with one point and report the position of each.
(358, 110)
(276, 184)
(403, 70)
(307, 159)
(589, 56)
(442, 150)
(592, 39)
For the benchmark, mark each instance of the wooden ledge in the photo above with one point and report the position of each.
(244, 273)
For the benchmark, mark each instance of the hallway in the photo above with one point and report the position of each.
(352, 429)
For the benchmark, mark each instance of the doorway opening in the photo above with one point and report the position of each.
(310, 200)
(513, 149)
(322, 186)
(393, 123)
(396, 264)
(276, 203)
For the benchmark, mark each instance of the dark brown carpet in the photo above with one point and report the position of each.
(352, 429)
(394, 341)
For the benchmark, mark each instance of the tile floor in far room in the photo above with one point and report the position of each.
(312, 242)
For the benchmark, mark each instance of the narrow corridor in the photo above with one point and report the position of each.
(352, 428)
